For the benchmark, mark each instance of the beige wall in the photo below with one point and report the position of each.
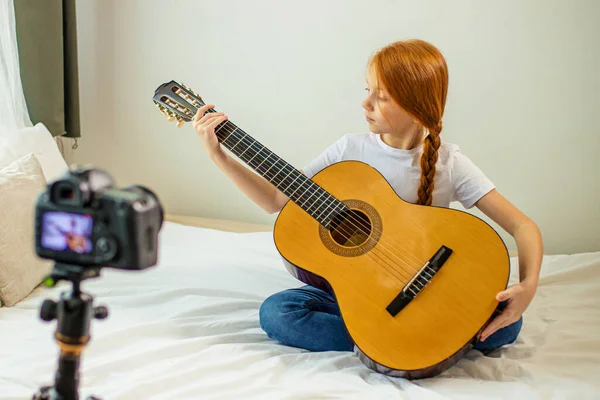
(523, 104)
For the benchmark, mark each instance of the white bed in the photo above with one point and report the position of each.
(188, 329)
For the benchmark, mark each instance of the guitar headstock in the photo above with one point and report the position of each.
(177, 102)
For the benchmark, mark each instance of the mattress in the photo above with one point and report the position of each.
(188, 329)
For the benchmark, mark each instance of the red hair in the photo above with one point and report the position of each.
(415, 75)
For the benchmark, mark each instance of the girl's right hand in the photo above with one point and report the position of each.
(205, 124)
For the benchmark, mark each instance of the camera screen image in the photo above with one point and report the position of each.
(68, 232)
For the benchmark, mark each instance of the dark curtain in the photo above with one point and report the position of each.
(47, 41)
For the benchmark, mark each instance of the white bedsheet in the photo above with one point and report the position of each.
(188, 329)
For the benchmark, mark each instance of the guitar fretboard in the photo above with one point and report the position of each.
(309, 196)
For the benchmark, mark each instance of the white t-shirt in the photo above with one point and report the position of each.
(457, 178)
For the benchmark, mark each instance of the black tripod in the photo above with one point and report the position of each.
(73, 312)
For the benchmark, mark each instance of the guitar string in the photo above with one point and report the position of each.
(223, 125)
(373, 253)
(363, 230)
(351, 219)
(369, 237)
(356, 223)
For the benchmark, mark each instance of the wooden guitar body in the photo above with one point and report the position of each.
(439, 325)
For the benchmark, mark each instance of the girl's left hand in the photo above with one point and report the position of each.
(519, 296)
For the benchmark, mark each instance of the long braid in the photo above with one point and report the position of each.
(429, 159)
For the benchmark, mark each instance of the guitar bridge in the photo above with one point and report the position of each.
(419, 281)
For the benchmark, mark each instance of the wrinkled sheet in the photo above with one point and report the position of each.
(188, 329)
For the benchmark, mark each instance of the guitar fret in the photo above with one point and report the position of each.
(322, 211)
(255, 155)
(287, 179)
(261, 163)
(309, 197)
(299, 186)
(332, 210)
(287, 175)
(281, 169)
(238, 142)
(310, 194)
(217, 131)
(249, 147)
(269, 168)
(316, 201)
(293, 182)
(287, 187)
(313, 199)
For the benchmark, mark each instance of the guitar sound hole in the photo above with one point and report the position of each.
(350, 229)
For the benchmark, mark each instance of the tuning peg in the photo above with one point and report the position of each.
(163, 110)
(171, 117)
(180, 121)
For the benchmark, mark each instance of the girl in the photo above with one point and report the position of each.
(407, 84)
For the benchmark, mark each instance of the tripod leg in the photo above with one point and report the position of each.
(66, 380)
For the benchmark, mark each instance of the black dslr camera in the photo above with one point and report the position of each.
(83, 219)
(84, 223)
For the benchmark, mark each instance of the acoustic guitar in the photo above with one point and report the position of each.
(415, 284)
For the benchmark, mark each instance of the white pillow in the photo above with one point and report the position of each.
(39, 141)
(21, 270)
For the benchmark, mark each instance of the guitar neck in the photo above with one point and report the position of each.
(309, 196)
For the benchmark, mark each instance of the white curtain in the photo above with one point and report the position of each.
(13, 108)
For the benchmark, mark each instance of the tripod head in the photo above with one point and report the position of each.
(73, 312)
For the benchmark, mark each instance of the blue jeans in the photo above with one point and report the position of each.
(309, 318)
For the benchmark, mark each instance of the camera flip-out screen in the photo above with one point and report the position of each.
(68, 232)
